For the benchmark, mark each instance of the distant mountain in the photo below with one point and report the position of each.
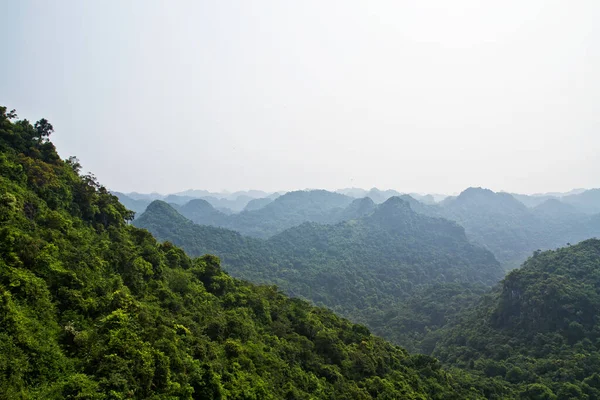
(510, 229)
(353, 192)
(177, 199)
(432, 210)
(288, 210)
(539, 329)
(273, 216)
(136, 205)
(228, 203)
(166, 224)
(556, 209)
(195, 193)
(378, 196)
(362, 268)
(256, 204)
(426, 199)
(587, 202)
(533, 201)
(496, 220)
(235, 204)
(356, 209)
(145, 196)
(202, 212)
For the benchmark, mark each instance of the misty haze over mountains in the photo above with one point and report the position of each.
(237, 201)
(512, 226)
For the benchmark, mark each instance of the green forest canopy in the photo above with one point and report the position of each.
(94, 308)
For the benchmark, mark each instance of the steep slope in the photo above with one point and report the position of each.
(539, 329)
(363, 268)
(94, 308)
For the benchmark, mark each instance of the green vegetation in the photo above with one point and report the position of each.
(539, 330)
(94, 308)
(367, 269)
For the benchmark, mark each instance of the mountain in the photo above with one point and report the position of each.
(197, 194)
(539, 329)
(353, 192)
(556, 210)
(533, 200)
(145, 196)
(497, 220)
(356, 209)
(538, 198)
(362, 268)
(256, 204)
(276, 215)
(202, 212)
(136, 205)
(290, 209)
(235, 204)
(587, 202)
(428, 199)
(431, 210)
(379, 196)
(93, 308)
(180, 200)
(512, 230)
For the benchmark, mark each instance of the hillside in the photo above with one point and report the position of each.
(363, 268)
(511, 230)
(539, 329)
(94, 308)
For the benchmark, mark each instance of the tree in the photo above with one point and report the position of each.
(43, 129)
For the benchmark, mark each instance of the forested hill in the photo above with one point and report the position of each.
(511, 230)
(364, 268)
(94, 308)
(284, 212)
(539, 329)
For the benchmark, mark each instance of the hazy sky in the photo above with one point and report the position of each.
(425, 96)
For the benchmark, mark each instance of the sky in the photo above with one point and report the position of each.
(417, 96)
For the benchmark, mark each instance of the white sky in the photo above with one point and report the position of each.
(425, 96)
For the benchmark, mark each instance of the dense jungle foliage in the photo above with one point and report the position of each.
(539, 330)
(371, 269)
(94, 308)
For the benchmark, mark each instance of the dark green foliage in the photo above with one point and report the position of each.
(540, 329)
(94, 308)
(374, 269)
